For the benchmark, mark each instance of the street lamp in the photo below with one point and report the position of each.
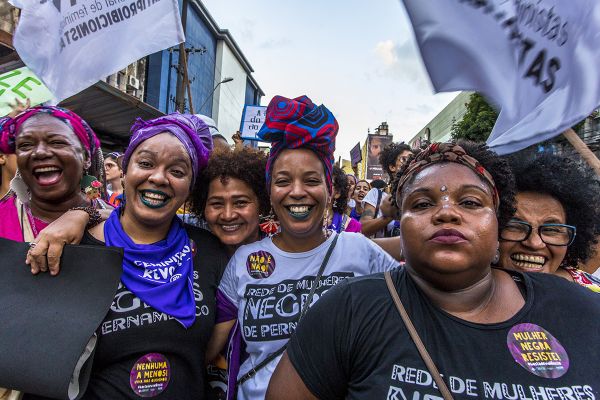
(225, 80)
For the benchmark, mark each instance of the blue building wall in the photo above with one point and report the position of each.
(161, 80)
(251, 94)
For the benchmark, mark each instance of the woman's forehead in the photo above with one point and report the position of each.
(298, 160)
(451, 176)
(534, 206)
(164, 141)
(47, 124)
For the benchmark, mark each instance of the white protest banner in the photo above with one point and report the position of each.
(536, 60)
(71, 44)
(253, 119)
(21, 84)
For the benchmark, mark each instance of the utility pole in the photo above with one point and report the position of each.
(182, 65)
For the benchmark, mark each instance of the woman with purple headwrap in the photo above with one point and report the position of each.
(268, 284)
(152, 341)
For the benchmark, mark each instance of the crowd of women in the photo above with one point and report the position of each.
(464, 277)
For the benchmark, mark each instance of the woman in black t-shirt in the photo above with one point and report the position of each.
(492, 333)
(152, 341)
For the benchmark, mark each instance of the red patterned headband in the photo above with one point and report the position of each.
(447, 152)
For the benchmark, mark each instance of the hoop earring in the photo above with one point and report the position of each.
(496, 257)
(326, 230)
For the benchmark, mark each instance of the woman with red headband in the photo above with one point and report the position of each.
(448, 325)
(59, 168)
(269, 284)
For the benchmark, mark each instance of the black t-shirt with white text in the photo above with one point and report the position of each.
(142, 352)
(353, 344)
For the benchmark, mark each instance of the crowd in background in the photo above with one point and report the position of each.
(462, 230)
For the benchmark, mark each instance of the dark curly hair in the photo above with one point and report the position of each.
(390, 153)
(246, 164)
(497, 166)
(340, 185)
(575, 186)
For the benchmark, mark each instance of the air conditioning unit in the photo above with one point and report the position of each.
(133, 82)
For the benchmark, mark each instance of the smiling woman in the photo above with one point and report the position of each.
(269, 284)
(472, 320)
(55, 148)
(557, 222)
(234, 196)
(170, 270)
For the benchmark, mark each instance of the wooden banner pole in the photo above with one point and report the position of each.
(583, 150)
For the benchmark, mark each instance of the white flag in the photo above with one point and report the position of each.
(537, 60)
(71, 44)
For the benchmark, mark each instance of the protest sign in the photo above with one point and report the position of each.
(536, 60)
(71, 44)
(355, 155)
(67, 308)
(21, 84)
(376, 144)
(253, 119)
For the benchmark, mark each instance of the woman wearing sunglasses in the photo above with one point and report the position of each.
(557, 221)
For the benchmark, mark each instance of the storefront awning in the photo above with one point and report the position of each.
(110, 112)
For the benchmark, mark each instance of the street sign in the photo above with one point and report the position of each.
(253, 119)
(21, 84)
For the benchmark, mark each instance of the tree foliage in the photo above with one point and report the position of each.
(478, 121)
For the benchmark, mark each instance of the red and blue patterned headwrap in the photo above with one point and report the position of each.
(298, 123)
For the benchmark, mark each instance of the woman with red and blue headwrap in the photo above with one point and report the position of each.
(267, 284)
(58, 156)
(152, 341)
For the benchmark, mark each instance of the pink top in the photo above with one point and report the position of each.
(353, 226)
(10, 228)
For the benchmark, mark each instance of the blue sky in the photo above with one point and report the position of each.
(359, 58)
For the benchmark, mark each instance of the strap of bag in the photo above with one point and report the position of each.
(417, 339)
(345, 222)
(26, 228)
(280, 351)
(7, 394)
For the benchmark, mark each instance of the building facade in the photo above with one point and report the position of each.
(213, 55)
(148, 87)
(229, 98)
(362, 167)
(439, 129)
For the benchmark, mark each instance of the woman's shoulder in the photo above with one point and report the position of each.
(91, 239)
(583, 278)
(204, 238)
(209, 248)
(567, 294)
(95, 235)
(7, 202)
(370, 289)
(264, 244)
(358, 240)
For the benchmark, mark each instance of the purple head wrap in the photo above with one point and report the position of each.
(189, 129)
